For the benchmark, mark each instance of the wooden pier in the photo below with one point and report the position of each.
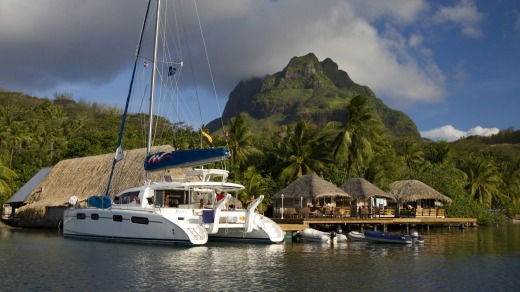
(296, 224)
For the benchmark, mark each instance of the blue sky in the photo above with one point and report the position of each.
(452, 66)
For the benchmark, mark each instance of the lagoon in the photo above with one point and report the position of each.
(472, 259)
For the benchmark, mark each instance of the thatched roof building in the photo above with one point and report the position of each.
(360, 188)
(87, 176)
(413, 190)
(311, 186)
(307, 190)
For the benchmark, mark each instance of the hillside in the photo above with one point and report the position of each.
(307, 89)
(504, 145)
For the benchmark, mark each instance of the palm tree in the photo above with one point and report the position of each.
(357, 136)
(303, 151)
(255, 186)
(511, 187)
(6, 176)
(17, 135)
(483, 181)
(413, 155)
(440, 152)
(240, 141)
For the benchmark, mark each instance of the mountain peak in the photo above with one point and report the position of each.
(300, 73)
(306, 89)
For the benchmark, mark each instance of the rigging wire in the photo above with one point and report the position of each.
(193, 79)
(120, 135)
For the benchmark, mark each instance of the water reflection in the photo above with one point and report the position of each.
(443, 262)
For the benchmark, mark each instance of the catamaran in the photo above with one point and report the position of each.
(193, 210)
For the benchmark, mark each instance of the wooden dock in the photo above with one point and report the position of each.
(296, 224)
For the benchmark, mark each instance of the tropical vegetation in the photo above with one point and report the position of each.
(483, 182)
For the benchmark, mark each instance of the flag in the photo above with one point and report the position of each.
(227, 134)
(145, 64)
(119, 153)
(207, 136)
(171, 71)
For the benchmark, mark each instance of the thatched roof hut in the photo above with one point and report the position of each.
(413, 190)
(311, 186)
(360, 188)
(87, 176)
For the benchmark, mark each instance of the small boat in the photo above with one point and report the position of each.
(382, 237)
(311, 234)
(356, 236)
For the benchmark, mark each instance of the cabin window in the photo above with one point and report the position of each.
(94, 216)
(117, 218)
(159, 198)
(174, 198)
(140, 220)
(81, 216)
(127, 198)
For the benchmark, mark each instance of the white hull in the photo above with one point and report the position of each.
(311, 234)
(158, 230)
(356, 236)
(264, 230)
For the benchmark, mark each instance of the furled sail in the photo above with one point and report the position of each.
(184, 158)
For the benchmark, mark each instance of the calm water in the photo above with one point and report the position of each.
(475, 259)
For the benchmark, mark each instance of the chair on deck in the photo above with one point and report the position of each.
(304, 213)
(291, 212)
(327, 212)
(364, 212)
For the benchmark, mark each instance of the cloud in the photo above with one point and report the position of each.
(459, 74)
(465, 14)
(517, 22)
(75, 43)
(449, 133)
(403, 11)
(57, 42)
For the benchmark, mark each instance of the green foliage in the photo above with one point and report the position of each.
(6, 177)
(464, 207)
(302, 151)
(240, 141)
(36, 133)
(477, 173)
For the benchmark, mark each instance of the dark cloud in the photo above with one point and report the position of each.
(56, 44)
(48, 43)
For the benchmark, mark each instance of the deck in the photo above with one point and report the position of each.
(296, 224)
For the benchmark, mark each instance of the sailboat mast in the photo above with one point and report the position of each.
(152, 89)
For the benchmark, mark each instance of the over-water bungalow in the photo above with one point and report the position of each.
(308, 196)
(368, 199)
(417, 199)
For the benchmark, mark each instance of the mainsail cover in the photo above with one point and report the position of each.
(184, 158)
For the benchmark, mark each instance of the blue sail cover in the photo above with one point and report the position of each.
(184, 158)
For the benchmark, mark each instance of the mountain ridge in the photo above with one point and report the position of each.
(307, 89)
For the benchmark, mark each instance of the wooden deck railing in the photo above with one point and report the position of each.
(344, 212)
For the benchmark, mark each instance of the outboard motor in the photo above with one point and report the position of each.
(339, 230)
(414, 234)
(332, 235)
